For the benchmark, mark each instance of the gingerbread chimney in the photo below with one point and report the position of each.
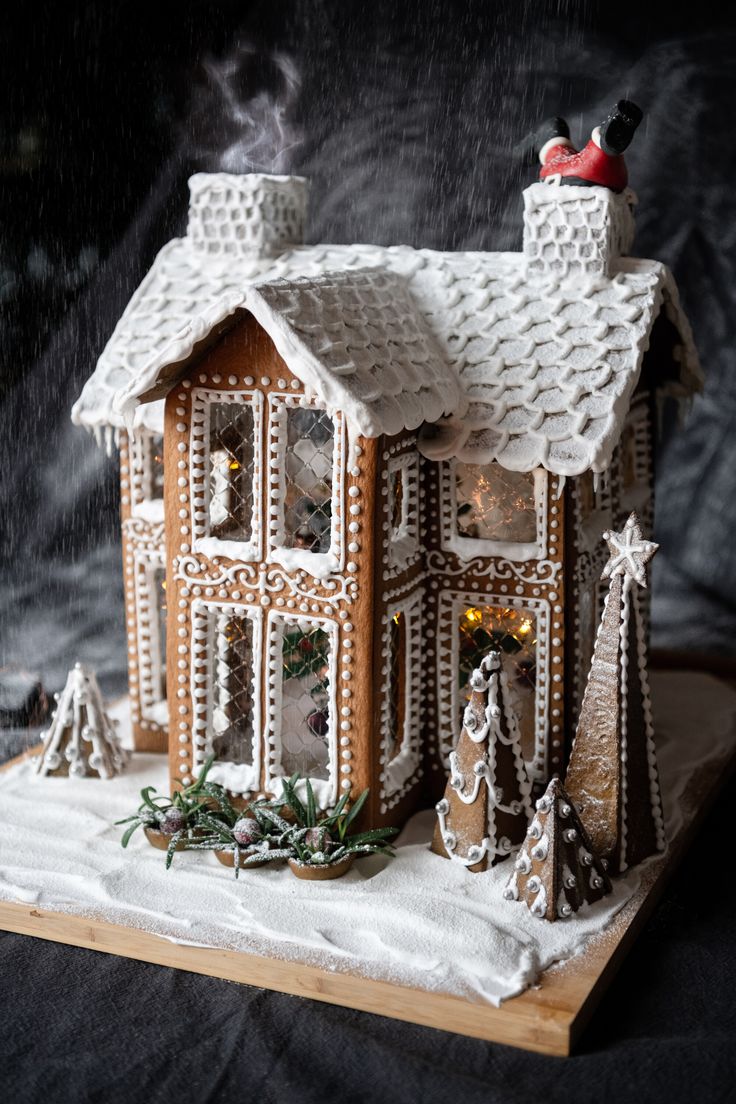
(575, 231)
(246, 215)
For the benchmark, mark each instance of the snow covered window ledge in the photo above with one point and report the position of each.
(302, 703)
(305, 507)
(226, 474)
(488, 510)
(226, 660)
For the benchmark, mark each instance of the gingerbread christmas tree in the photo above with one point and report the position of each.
(557, 869)
(81, 739)
(612, 776)
(486, 806)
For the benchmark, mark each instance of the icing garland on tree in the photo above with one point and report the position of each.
(81, 739)
(557, 869)
(486, 806)
(612, 775)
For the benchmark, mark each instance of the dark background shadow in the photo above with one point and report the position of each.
(406, 115)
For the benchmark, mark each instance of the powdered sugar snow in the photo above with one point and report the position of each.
(417, 920)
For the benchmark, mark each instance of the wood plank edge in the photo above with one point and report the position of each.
(542, 1030)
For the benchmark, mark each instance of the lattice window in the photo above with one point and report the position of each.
(402, 478)
(231, 471)
(513, 631)
(494, 504)
(232, 689)
(156, 466)
(396, 682)
(309, 466)
(305, 699)
(396, 500)
(401, 706)
(150, 614)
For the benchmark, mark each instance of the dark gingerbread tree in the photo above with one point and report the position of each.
(612, 776)
(486, 807)
(556, 870)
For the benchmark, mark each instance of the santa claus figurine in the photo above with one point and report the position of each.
(601, 162)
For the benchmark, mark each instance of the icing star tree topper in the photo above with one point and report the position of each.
(612, 776)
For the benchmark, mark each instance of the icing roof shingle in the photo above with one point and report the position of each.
(537, 370)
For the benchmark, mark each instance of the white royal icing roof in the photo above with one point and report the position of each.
(546, 365)
(355, 338)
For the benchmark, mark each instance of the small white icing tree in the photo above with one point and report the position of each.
(81, 739)
(612, 775)
(486, 806)
(556, 870)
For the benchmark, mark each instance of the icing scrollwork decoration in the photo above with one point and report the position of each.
(271, 580)
(534, 573)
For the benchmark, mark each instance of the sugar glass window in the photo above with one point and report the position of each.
(493, 504)
(232, 687)
(150, 612)
(309, 465)
(305, 699)
(513, 632)
(396, 683)
(231, 471)
(155, 466)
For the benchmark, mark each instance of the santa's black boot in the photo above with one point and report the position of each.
(616, 132)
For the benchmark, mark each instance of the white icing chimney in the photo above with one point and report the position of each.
(572, 230)
(250, 214)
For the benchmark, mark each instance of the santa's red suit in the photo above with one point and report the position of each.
(589, 166)
(601, 162)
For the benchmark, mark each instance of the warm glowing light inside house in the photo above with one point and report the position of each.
(495, 504)
(513, 632)
(234, 465)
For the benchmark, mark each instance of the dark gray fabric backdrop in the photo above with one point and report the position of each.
(405, 116)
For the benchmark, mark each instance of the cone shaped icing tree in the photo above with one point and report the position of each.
(82, 739)
(556, 870)
(612, 776)
(486, 806)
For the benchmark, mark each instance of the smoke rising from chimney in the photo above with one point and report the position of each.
(241, 115)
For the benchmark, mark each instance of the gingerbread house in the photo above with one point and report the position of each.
(376, 463)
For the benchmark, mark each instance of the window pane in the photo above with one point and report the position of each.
(514, 633)
(231, 471)
(310, 442)
(305, 701)
(396, 683)
(232, 705)
(156, 454)
(396, 499)
(495, 504)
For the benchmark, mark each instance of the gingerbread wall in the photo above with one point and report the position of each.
(532, 594)
(244, 365)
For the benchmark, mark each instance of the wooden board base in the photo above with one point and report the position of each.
(548, 1019)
